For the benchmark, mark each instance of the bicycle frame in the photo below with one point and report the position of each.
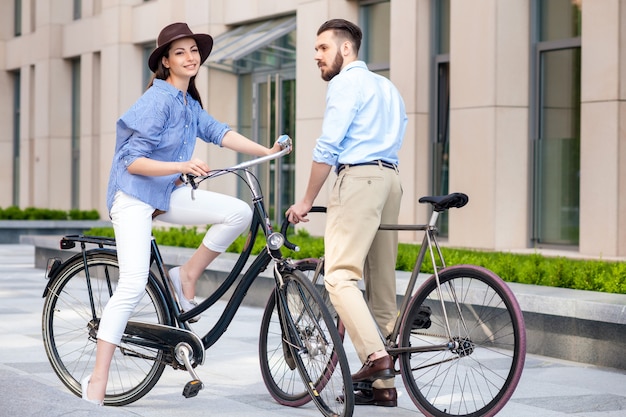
(429, 246)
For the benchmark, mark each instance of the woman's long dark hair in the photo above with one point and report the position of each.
(162, 73)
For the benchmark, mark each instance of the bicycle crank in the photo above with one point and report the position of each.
(183, 353)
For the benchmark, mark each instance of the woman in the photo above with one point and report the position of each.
(154, 146)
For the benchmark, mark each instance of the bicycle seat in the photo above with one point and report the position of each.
(445, 202)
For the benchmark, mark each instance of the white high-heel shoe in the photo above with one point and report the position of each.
(83, 386)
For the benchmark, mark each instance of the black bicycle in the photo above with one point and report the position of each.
(459, 340)
(158, 333)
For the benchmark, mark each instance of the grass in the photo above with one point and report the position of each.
(535, 269)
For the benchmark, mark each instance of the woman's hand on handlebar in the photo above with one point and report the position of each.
(195, 167)
(281, 143)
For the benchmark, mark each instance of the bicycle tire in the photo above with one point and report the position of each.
(280, 376)
(478, 377)
(321, 361)
(69, 329)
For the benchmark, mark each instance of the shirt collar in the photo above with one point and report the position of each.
(354, 64)
(167, 87)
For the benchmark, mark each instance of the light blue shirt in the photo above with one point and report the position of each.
(161, 127)
(365, 119)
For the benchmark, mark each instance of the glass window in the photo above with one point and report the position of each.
(75, 157)
(559, 19)
(16, 137)
(442, 26)
(441, 105)
(375, 22)
(147, 73)
(17, 18)
(78, 9)
(556, 116)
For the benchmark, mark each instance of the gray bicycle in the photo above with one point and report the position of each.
(459, 341)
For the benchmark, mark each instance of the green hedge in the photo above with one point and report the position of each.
(31, 213)
(536, 269)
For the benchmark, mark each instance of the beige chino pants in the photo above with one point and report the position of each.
(363, 197)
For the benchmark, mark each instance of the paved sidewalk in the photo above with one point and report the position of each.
(234, 387)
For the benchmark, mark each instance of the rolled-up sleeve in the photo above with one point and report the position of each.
(209, 129)
(341, 106)
(143, 127)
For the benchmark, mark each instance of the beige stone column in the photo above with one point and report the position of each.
(52, 134)
(489, 145)
(603, 134)
(6, 139)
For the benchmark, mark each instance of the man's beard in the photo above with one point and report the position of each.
(334, 69)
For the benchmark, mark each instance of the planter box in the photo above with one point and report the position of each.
(11, 230)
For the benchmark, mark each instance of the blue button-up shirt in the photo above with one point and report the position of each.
(159, 126)
(365, 119)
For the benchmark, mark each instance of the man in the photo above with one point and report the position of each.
(362, 131)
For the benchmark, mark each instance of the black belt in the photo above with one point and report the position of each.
(376, 162)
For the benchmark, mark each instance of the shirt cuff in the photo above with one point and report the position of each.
(325, 157)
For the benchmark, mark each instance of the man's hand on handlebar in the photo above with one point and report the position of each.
(298, 212)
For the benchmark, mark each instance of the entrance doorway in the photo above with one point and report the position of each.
(274, 114)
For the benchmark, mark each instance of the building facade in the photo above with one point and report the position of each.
(516, 103)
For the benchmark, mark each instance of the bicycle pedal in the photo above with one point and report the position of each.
(362, 386)
(192, 388)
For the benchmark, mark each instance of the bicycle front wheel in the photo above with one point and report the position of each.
(277, 367)
(71, 315)
(315, 345)
(478, 370)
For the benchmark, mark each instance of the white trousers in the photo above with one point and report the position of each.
(132, 222)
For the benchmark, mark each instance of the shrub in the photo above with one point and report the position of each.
(32, 213)
(535, 269)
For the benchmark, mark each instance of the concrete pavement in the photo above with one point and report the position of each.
(234, 387)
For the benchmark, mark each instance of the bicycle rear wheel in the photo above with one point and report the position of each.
(69, 329)
(476, 376)
(315, 345)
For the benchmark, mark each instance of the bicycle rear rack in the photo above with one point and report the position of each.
(69, 241)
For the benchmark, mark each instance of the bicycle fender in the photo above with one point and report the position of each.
(56, 266)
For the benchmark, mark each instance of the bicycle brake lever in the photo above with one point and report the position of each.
(189, 179)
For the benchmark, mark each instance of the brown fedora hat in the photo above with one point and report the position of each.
(176, 31)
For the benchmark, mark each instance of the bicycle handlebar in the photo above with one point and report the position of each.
(286, 223)
(284, 141)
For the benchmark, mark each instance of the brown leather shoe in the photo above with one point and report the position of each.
(382, 397)
(381, 368)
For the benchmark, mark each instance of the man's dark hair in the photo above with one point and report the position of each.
(344, 28)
